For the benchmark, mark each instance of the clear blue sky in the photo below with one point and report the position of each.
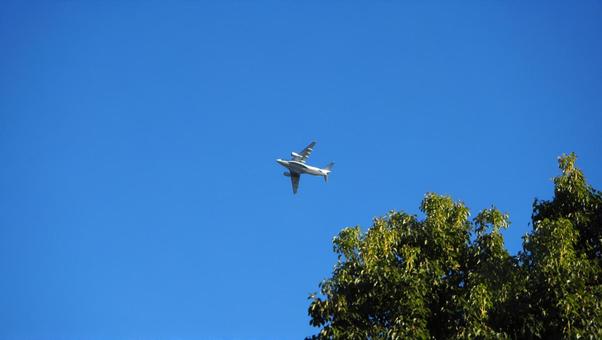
(139, 196)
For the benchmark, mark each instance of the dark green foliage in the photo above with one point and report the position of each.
(447, 276)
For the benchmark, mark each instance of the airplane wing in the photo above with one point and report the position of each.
(303, 155)
(295, 181)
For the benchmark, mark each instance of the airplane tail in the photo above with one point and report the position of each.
(328, 169)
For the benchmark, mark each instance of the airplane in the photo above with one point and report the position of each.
(296, 166)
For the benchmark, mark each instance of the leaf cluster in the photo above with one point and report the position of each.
(449, 276)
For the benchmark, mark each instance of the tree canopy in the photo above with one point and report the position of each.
(449, 276)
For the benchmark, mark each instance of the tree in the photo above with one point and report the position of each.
(446, 276)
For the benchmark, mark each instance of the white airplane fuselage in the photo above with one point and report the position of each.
(302, 168)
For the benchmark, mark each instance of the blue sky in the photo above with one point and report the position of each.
(139, 194)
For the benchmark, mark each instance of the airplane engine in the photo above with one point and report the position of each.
(295, 155)
(287, 174)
